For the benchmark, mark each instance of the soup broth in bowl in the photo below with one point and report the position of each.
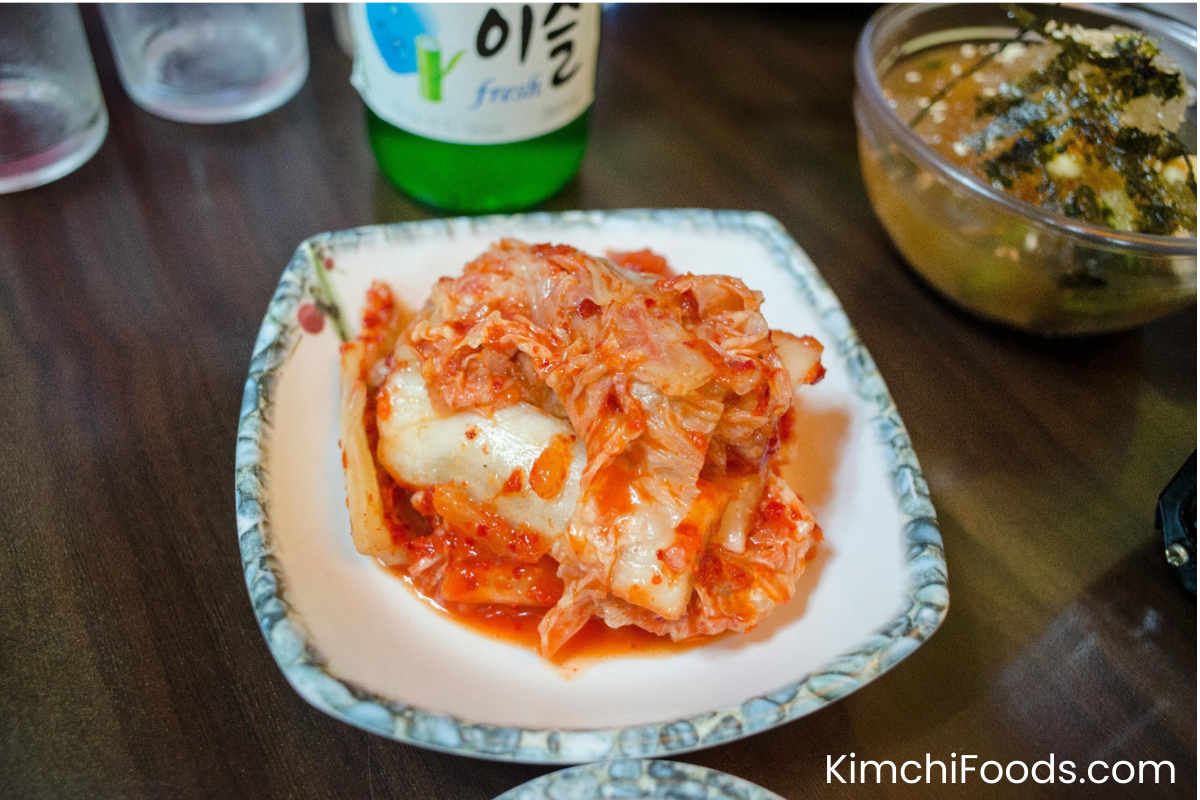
(1040, 173)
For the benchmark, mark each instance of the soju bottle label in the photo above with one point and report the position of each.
(476, 74)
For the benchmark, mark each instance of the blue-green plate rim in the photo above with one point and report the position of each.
(639, 779)
(924, 604)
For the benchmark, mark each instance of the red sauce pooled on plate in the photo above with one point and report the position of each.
(518, 625)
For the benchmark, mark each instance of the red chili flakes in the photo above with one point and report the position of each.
(524, 541)
(680, 554)
(310, 318)
(787, 425)
(383, 404)
(472, 432)
(422, 502)
(380, 305)
(717, 574)
(514, 482)
(546, 588)
(691, 308)
(773, 511)
(426, 546)
(587, 308)
(764, 399)
(709, 570)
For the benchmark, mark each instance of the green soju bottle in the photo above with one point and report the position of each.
(477, 108)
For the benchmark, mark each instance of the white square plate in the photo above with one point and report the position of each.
(358, 644)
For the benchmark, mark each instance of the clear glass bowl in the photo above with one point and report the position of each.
(999, 257)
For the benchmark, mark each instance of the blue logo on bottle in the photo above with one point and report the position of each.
(396, 28)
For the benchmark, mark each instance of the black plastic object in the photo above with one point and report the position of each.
(1176, 518)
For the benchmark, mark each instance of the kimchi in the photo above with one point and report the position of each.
(595, 437)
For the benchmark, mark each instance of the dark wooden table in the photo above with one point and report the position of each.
(130, 295)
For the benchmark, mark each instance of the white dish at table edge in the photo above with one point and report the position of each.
(638, 780)
(359, 645)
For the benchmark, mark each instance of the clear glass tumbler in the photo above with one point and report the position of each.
(52, 115)
(208, 62)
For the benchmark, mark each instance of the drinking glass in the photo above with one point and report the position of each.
(208, 62)
(52, 115)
